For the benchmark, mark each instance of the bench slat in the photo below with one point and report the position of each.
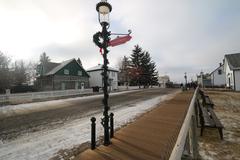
(207, 120)
(214, 117)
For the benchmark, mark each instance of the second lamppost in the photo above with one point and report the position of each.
(104, 8)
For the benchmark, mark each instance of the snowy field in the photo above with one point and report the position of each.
(43, 145)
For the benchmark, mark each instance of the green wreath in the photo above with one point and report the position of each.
(96, 39)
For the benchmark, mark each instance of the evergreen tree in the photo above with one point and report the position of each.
(146, 69)
(143, 67)
(44, 58)
(136, 56)
(154, 74)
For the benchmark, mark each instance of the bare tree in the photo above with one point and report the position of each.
(19, 74)
(125, 70)
(44, 60)
(4, 72)
(31, 72)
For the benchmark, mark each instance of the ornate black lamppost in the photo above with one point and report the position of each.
(185, 76)
(104, 8)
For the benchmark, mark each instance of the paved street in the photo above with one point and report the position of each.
(12, 127)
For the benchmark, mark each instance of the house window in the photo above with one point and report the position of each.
(80, 73)
(113, 74)
(219, 71)
(66, 71)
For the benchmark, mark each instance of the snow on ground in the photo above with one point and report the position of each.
(43, 145)
(13, 110)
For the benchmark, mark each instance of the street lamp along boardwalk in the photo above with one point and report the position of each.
(104, 8)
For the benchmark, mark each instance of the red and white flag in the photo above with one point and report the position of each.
(119, 40)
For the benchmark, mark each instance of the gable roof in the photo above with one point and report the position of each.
(99, 67)
(216, 69)
(48, 66)
(59, 66)
(233, 61)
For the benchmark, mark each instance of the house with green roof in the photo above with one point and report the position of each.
(232, 70)
(69, 74)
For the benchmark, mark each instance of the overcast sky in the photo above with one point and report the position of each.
(181, 35)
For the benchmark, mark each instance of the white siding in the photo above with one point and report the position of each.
(96, 79)
(218, 79)
(113, 76)
(229, 75)
(237, 79)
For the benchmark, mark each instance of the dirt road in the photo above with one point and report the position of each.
(12, 127)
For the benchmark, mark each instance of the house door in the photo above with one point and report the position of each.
(76, 85)
(82, 86)
(229, 82)
(63, 86)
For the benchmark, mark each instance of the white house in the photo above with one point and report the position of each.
(96, 79)
(232, 71)
(163, 80)
(204, 80)
(218, 77)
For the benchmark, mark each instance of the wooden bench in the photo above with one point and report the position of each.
(208, 119)
(206, 101)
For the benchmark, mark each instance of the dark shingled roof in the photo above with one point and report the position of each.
(233, 61)
(59, 66)
(49, 66)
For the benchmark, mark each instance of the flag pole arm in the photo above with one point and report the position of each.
(129, 32)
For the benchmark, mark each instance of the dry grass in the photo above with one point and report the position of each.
(227, 108)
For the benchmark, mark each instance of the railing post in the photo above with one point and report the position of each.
(111, 125)
(93, 133)
(194, 137)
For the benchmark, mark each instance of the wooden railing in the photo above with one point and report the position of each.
(187, 139)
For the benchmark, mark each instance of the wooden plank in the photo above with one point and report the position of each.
(206, 101)
(215, 119)
(179, 146)
(207, 120)
(154, 142)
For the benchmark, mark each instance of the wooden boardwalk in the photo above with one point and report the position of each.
(151, 137)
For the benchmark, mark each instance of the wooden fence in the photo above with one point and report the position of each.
(28, 97)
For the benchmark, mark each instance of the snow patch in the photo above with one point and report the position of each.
(43, 145)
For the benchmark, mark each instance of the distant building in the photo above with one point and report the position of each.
(232, 71)
(97, 80)
(218, 78)
(163, 81)
(204, 80)
(61, 76)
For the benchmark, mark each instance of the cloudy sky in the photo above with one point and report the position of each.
(181, 36)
